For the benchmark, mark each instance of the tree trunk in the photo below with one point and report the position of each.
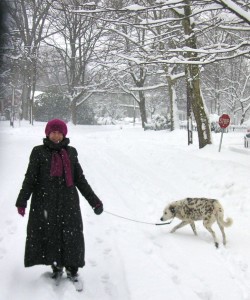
(142, 106)
(193, 82)
(174, 116)
(189, 107)
(26, 90)
(73, 112)
(139, 82)
(34, 76)
(243, 114)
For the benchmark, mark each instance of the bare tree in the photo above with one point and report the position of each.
(238, 7)
(76, 45)
(32, 26)
(147, 37)
(192, 72)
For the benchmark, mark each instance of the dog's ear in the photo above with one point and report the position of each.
(172, 209)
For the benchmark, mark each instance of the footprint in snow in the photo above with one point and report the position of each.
(105, 278)
(204, 295)
(148, 250)
(108, 231)
(99, 240)
(2, 253)
(10, 227)
(176, 279)
(173, 266)
(107, 251)
(93, 263)
(108, 285)
(90, 222)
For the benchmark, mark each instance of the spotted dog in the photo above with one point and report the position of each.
(189, 210)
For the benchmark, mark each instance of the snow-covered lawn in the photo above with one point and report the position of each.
(136, 174)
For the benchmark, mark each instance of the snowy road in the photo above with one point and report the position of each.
(136, 174)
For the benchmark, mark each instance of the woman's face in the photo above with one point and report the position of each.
(56, 137)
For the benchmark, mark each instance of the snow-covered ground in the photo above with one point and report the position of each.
(136, 174)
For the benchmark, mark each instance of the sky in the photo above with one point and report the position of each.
(136, 174)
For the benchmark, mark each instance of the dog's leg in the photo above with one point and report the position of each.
(192, 224)
(222, 223)
(183, 223)
(223, 233)
(207, 225)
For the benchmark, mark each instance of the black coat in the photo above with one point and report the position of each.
(55, 229)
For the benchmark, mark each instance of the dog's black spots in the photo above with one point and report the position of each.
(172, 209)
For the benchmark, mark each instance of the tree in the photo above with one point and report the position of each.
(52, 104)
(237, 95)
(192, 72)
(76, 44)
(3, 30)
(236, 7)
(30, 21)
(86, 114)
(172, 71)
(120, 46)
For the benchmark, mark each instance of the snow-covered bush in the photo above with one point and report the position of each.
(159, 122)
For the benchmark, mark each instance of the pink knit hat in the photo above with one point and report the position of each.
(56, 125)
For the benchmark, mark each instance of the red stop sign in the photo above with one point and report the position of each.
(224, 121)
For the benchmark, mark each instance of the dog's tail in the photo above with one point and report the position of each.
(227, 223)
(220, 215)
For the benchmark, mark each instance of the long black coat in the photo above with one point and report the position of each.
(55, 229)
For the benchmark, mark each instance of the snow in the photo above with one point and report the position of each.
(136, 173)
(134, 7)
(237, 9)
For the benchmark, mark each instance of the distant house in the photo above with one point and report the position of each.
(132, 110)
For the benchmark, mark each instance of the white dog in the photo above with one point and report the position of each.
(193, 209)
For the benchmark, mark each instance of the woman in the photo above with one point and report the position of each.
(55, 229)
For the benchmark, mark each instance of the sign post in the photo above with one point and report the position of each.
(224, 121)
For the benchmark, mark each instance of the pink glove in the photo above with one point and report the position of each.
(21, 211)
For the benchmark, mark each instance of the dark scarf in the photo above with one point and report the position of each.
(60, 161)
